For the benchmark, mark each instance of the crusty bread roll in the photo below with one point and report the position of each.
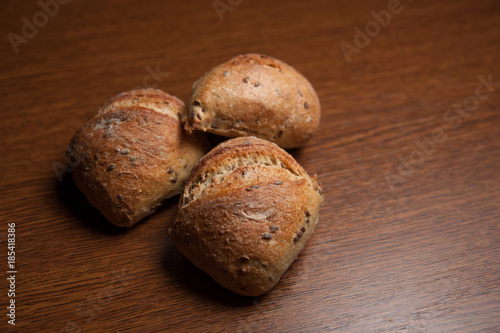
(256, 95)
(247, 211)
(134, 154)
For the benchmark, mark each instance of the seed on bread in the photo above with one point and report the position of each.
(267, 236)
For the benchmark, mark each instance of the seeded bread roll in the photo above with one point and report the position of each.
(256, 95)
(247, 211)
(134, 154)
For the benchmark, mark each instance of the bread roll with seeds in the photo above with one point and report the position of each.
(256, 95)
(247, 211)
(133, 154)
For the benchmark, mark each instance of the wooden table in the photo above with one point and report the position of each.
(408, 153)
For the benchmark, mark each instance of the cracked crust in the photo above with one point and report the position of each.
(257, 95)
(133, 154)
(247, 211)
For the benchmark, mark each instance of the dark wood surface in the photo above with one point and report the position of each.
(409, 236)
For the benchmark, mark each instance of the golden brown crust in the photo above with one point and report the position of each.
(154, 99)
(247, 211)
(134, 154)
(254, 94)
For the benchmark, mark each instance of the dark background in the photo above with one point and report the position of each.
(408, 238)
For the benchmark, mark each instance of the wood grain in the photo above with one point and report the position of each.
(418, 253)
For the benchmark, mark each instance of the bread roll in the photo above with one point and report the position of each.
(134, 154)
(256, 95)
(247, 211)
